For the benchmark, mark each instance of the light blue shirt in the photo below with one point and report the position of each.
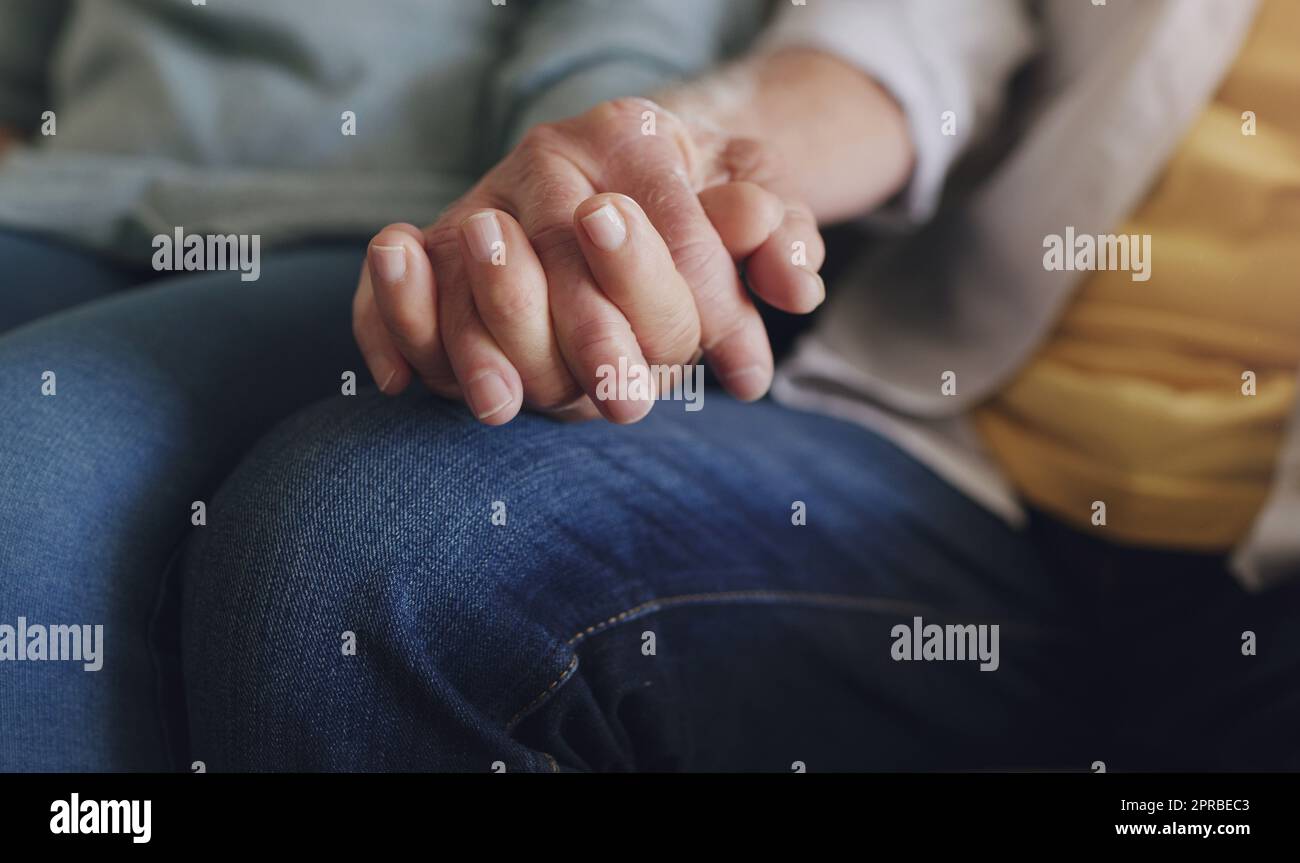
(230, 117)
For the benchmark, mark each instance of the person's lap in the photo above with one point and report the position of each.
(157, 393)
(529, 643)
(647, 603)
(43, 276)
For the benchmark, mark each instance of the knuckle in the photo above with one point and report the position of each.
(409, 326)
(508, 298)
(697, 254)
(706, 268)
(403, 319)
(727, 329)
(541, 142)
(675, 338)
(619, 128)
(555, 243)
(599, 340)
(621, 112)
(552, 391)
(670, 197)
(751, 160)
(442, 242)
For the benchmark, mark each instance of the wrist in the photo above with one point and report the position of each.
(843, 140)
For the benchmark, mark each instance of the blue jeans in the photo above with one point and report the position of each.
(387, 585)
(159, 391)
(649, 604)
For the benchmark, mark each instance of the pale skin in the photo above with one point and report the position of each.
(594, 241)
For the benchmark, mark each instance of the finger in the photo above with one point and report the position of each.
(509, 290)
(405, 294)
(732, 333)
(781, 266)
(744, 215)
(389, 369)
(784, 269)
(595, 337)
(635, 269)
(492, 388)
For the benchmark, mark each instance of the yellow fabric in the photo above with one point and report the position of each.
(1137, 398)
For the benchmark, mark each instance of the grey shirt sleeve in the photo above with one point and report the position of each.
(28, 31)
(573, 54)
(934, 57)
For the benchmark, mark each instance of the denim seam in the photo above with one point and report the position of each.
(536, 702)
(652, 606)
(828, 600)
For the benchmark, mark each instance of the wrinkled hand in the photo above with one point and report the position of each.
(612, 236)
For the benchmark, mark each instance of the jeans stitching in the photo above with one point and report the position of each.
(555, 684)
(826, 600)
(652, 606)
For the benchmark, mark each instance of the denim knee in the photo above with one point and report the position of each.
(354, 601)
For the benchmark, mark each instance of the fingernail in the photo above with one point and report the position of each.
(389, 262)
(383, 372)
(482, 233)
(606, 228)
(489, 395)
(819, 286)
